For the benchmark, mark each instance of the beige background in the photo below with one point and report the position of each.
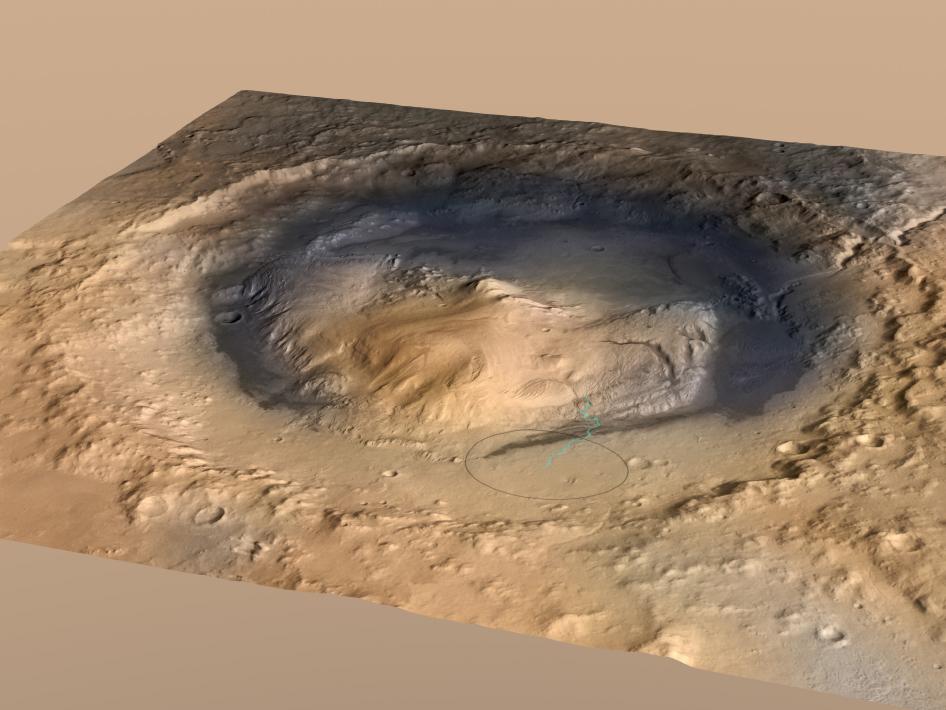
(88, 87)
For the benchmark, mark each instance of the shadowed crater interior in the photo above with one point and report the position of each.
(497, 302)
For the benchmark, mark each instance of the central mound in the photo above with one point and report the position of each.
(416, 348)
(408, 323)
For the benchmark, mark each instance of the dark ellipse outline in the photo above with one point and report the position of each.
(466, 465)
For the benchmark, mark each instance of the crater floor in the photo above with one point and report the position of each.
(656, 392)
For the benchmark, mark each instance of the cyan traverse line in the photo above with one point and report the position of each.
(583, 411)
